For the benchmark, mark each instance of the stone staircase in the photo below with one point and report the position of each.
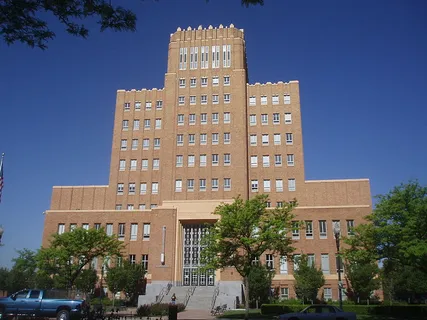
(201, 298)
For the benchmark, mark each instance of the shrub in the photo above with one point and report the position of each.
(156, 309)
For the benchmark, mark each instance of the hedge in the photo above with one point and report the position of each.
(156, 309)
(419, 311)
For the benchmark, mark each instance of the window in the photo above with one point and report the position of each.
(215, 99)
(266, 161)
(227, 98)
(215, 138)
(277, 139)
(147, 124)
(203, 160)
(275, 99)
(295, 230)
(145, 144)
(227, 159)
(142, 206)
(137, 105)
(144, 164)
(252, 101)
(134, 144)
(296, 260)
(127, 106)
(336, 223)
(182, 58)
(227, 138)
(190, 184)
(194, 52)
(191, 160)
(203, 118)
(289, 138)
(327, 294)
(279, 204)
(283, 265)
(203, 138)
(290, 160)
(269, 261)
(215, 81)
(264, 119)
(156, 164)
(97, 226)
(284, 293)
(130, 206)
(178, 185)
(133, 231)
(204, 57)
(144, 261)
(214, 184)
(254, 185)
(263, 100)
(204, 82)
(291, 184)
(276, 118)
(193, 82)
(202, 184)
(120, 187)
(192, 100)
(158, 123)
(310, 260)
(148, 105)
(153, 206)
(309, 229)
(287, 99)
(180, 119)
(159, 104)
(143, 188)
(124, 144)
(253, 139)
(267, 185)
(146, 234)
(254, 161)
(132, 188)
(227, 117)
(265, 140)
(133, 164)
(226, 55)
(252, 119)
(122, 165)
(226, 80)
(182, 83)
(350, 227)
(227, 184)
(61, 228)
(288, 118)
(215, 57)
(215, 159)
(325, 263)
(322, 229)
(279, 185)
(215, 118)
(179, 161)
(154, 188)
(204, 99)
(121, 232)
(191, 139)
(278, 160)
(179, 139)
(125, 125)
(192, 119)
(132, 259)
(181, 100)
(109, 229)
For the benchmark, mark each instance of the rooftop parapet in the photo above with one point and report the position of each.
(210, 32)
(257, 84)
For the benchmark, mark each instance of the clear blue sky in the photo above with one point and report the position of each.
(362, 67)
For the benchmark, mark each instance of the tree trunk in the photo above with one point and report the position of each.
(246, 283)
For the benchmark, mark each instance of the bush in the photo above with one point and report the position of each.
(276, 309)
(156, 309)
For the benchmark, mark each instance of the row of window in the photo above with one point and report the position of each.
(308, 228)
(204, 82)
(145, 144)
(204, 57)
(147, 124)
(264, 119)
(148, 105)
(144, 260)
(290, 160)
(141, 206)
(134, 164)
(202, 185)
(203, 118)
(274, 100)
(267, 186)
(204, 99)
(327, 293)
(191, 160)
(142, 188)
(203, 138)
(265, 139)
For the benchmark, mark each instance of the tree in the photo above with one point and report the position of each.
(4, 276)
(22, 274)
(308, 279)
(22, 20)
(260, 278)
(70, 252)
(246, 230)
(116, 280)
(86, 281)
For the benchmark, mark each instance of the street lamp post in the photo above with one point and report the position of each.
(337, 232)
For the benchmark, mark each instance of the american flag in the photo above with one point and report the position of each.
(1, 176)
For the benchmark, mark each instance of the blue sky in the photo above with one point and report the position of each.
(362, 69)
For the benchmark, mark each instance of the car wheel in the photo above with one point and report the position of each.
(63, 315)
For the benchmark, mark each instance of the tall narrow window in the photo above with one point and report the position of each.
(283, 265)
(178, 185)
(287, 99)
(350, 227)
(182, 58)
(146, 234)
(145, 144)
(291, 185)
(144, 261)
(121, 232)
(295, 230)
(154, 188)
(309, 229)
(61, 228)
(109, 229)
(322, 229)
(204, 57)
(279, 185)
(134, 144)
(134, 231)
(325, 263)
(227, 184)
(202, 184)
(269, 261)
(143, 188)
(215, 56)
(122, 165)
(190, 185)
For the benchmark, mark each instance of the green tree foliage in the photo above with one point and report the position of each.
(308, 280)
(260, 278)
(70, 252)
(24, 20)
(22, 274)
(86, 281)
(4, 276)
(246, 230)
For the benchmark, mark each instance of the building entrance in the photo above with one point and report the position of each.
(191, 257)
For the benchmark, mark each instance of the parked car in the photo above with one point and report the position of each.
(319, 312)
(41, 303)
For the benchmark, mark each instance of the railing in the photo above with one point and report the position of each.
(190, 292)
(168, 288)
(163, 292)
(215, 294)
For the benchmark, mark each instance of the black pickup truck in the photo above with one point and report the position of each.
(41, 303)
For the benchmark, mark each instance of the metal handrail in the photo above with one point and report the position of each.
(162, 294)
(190, 292)
(215, 294)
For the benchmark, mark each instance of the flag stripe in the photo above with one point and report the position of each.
(1, 178)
